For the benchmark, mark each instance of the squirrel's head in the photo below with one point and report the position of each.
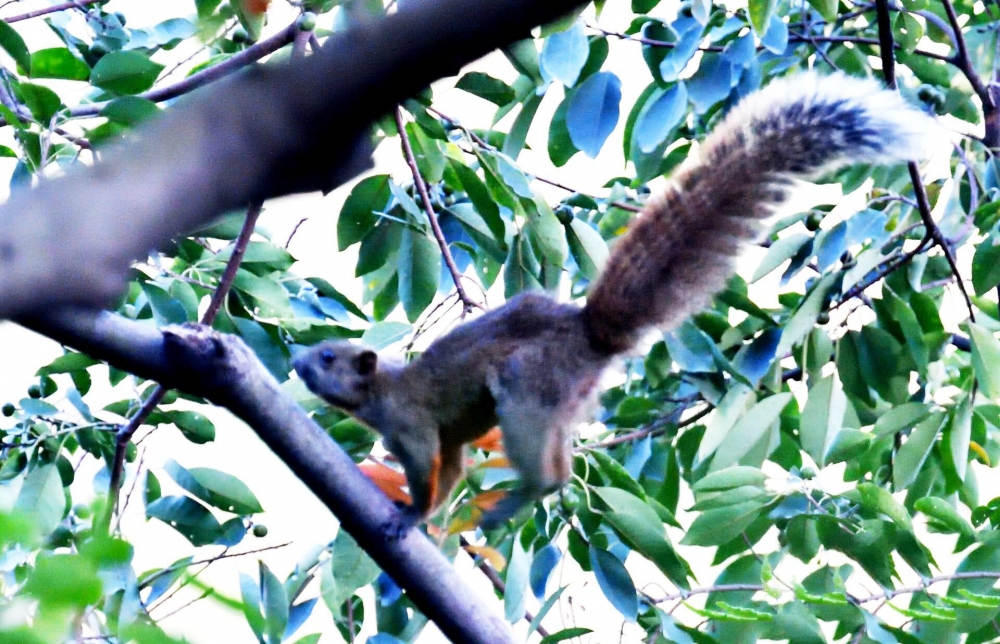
(338, 372)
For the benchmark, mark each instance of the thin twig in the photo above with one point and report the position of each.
(77, 4)
(617, 204)
(295, 230)
(418, 180)
(227, 67)
(224, 555)
(963, 62)
(923, 204)
(655, 428)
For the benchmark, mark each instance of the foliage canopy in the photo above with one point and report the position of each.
(826, 449)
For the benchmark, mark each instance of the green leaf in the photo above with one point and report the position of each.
(206, 7)
(58, 62)
(731, 478)
(14, 45)
(799, 624)
(546, 233)
(587, 247)
(190, 518)
(780, 252)
(196, 427)
(250, 594)
(275, 603)
(593, 112)
(560, 147)
(64, 580)
(357, 217)
(721, 525)
(826, 8)
(270, 297)
(900, 417)
(760, 12)
(514, 142)
(430, 160)
(484, 204)
(382, 334)
(913, 453)
(40, 100)
(637, 523)
(732, 406)
(566, 634)
(130, 110)
(419, 266)
(216, 488)
(749, 429)
(66, 363)
(486, 87)
(125, 72)
(615, 582)
(660, 115)
(564, 54)
(955, 442)
(944, 517)
(804, 318)
(879, 500)
(42, 497)
(822, 417)
(352, 569)
(985, 360)
(516, 579)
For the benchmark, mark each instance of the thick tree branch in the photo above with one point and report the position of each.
(262, 133)
(225, 371)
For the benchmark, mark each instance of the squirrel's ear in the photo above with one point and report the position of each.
(366, 362)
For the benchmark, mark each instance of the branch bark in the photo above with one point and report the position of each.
(223, 370)
(262, 133)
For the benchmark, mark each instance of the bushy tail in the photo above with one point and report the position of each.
(682, 247)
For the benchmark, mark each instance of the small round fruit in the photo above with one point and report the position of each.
(9, 409)
(260, 530)
(813, 221)
(35, 391)
(306, 22)
(569, 500)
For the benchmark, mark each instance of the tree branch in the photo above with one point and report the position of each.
(78, 4)
(263, 133)
(223, 370)
(933, 232)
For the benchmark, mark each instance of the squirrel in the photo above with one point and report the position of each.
(533, 365)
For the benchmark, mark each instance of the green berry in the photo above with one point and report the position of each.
(9, 409)
(35, 391)
(813, 221)
(260, 530)
(306, 22)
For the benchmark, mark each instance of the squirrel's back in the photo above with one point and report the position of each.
(682, 247)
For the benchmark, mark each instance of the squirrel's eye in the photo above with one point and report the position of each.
(327, 356)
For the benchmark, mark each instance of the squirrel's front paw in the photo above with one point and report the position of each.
(398, 526)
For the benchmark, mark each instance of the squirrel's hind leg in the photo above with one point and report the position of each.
(536, 427)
